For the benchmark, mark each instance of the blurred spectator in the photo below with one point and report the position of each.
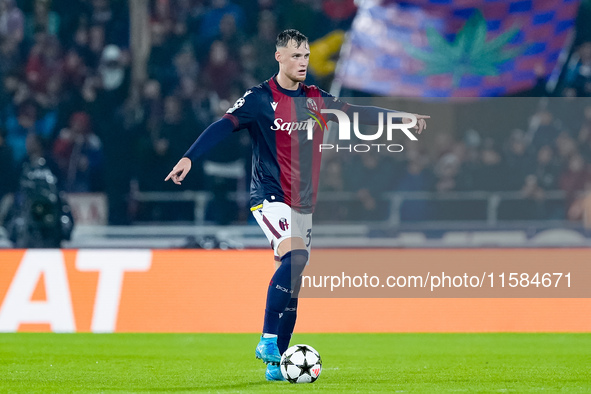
(26, 123)
(10, 58)
(174, 24)
(339, 14)
(75, 70)
(101, 12)
(113, 73)
(44, 62)
(12, 93)
(490, 174)
(444, 144)
(539, 89)
(566, 147)
(547, 169)
(333, 182)
(253, 12)
(105, 96)
(535, 207)
(543, 129)
(470, 154)
(78, 154)
(162, 14)
(575, 178)
(42, 19)
(178, 126)
(167, 141)
(161, 55)
(415, 177)
(210, 23)
(7, 167)
(112, 16)
(221, 72)
(264, 45)
(517, 162)
(333, 176)
(185, 64)
(447, 169)
(578, 73)
(81, 44)
(369, 176)
(249, 63)
(12, 22)
(152, 105)
(96, 45)
(584, 137)
(229, 33)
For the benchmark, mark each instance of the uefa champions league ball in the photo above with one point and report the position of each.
(301, 364)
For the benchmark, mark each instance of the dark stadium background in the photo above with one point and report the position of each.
(68, 72)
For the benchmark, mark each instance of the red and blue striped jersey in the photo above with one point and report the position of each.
(285, 163)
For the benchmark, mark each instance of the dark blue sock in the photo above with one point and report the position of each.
(280, 288)
(286, 325)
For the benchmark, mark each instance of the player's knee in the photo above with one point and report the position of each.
(299, 259)
(290, 244)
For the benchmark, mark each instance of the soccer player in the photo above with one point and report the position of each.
(285, 168)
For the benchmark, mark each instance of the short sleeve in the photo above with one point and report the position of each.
(244, 110)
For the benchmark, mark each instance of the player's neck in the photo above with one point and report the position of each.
(287, 83)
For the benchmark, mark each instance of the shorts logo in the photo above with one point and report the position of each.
(283, 225)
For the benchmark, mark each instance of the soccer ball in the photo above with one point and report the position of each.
(300, 364)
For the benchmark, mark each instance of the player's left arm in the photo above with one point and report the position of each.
(369, 115)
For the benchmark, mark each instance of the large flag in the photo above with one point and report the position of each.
(454, 48)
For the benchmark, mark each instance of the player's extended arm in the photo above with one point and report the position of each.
(213, 135)
(368, 115)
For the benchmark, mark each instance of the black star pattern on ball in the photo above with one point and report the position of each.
(287, 360)
(305, 368)
(304, 349)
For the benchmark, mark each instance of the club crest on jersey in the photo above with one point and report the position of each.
(311, 104)
(283, 225)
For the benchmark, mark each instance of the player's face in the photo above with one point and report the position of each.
(293, 61)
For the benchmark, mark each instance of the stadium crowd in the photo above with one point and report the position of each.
(66, 95)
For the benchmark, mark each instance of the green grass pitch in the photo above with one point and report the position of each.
(429, 363)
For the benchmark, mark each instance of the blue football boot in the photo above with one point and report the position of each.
(273, 372)
(267, 351)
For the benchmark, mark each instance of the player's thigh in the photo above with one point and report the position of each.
(275, 219)
(301, 236)
(303, 222)
(289, 244)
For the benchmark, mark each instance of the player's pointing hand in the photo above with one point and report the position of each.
(180, 171)
(421, 123)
